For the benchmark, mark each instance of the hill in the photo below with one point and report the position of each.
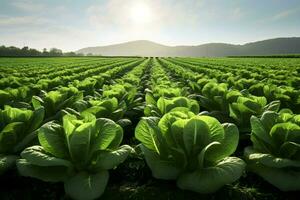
(148, 48)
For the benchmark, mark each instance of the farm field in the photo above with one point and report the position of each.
(149, 128)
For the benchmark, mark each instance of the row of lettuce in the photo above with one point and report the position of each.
(74, 134)
(193, 149)
(88, 80)
(104, 108)
(222, 80)
(271, 71)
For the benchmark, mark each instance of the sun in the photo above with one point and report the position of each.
(141, 13)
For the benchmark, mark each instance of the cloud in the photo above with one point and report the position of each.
(286, 13)
(28, 5)
(282, 15)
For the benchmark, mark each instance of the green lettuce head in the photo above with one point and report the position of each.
(275, 154)
(165, 105)
(17, 131)
(244, 107)
(193, 150)
(78, 153)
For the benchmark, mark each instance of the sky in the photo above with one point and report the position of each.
(72, 24)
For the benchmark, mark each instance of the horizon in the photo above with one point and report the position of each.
(94, 23)
(176, 45)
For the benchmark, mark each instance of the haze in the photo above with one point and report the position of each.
(73, 24)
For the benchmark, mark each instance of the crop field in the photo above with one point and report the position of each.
(149, 128)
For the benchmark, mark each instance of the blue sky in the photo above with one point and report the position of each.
(74, 24)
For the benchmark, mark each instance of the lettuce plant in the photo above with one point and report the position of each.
(56, 100)
(244, 107)
(103, 108)
(17, 131)
(5, 98)
(47, 83)
(14, 96)
(127, 94)
(216, 99)
(275, 154)
(163, 90)
(78, 153)
(213, 96)
(87, 86)
(197, 86)
(165, 105)
(193, 150)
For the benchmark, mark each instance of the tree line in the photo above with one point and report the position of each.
(26, 51)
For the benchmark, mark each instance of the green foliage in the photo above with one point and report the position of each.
(87, 86)
(105, 108)
(242, 110)
(55, 101)
(127, 96)
(165, 105)
(17, 131)
(78, 153)
(275, 154)
(178, 142)
(216, 98)
(193, 150)
(13, 96)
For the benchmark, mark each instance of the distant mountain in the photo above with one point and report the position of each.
(148, 48)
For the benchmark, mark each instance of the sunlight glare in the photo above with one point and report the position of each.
(141, 13)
